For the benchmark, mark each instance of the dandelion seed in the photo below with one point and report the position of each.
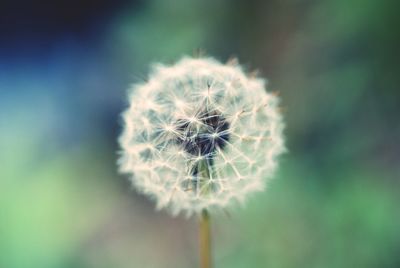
(200, 135)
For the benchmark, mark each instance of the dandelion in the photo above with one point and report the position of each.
(200, 135)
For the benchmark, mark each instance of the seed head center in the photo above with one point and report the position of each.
(206, 136)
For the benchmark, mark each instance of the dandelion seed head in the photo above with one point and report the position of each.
(200, 134)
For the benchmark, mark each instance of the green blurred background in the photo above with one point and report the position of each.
(64, 70)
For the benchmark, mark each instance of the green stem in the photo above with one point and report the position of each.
(205, 240)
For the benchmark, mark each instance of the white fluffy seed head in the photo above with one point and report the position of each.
(200, 134)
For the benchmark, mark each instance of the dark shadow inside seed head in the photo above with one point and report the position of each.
(204, 135)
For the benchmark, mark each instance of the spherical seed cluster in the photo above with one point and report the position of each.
(200, 134)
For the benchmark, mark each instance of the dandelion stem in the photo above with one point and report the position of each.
(205, 240)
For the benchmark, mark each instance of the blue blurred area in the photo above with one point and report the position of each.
(64, 70)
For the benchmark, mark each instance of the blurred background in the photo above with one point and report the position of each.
(64, 70)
